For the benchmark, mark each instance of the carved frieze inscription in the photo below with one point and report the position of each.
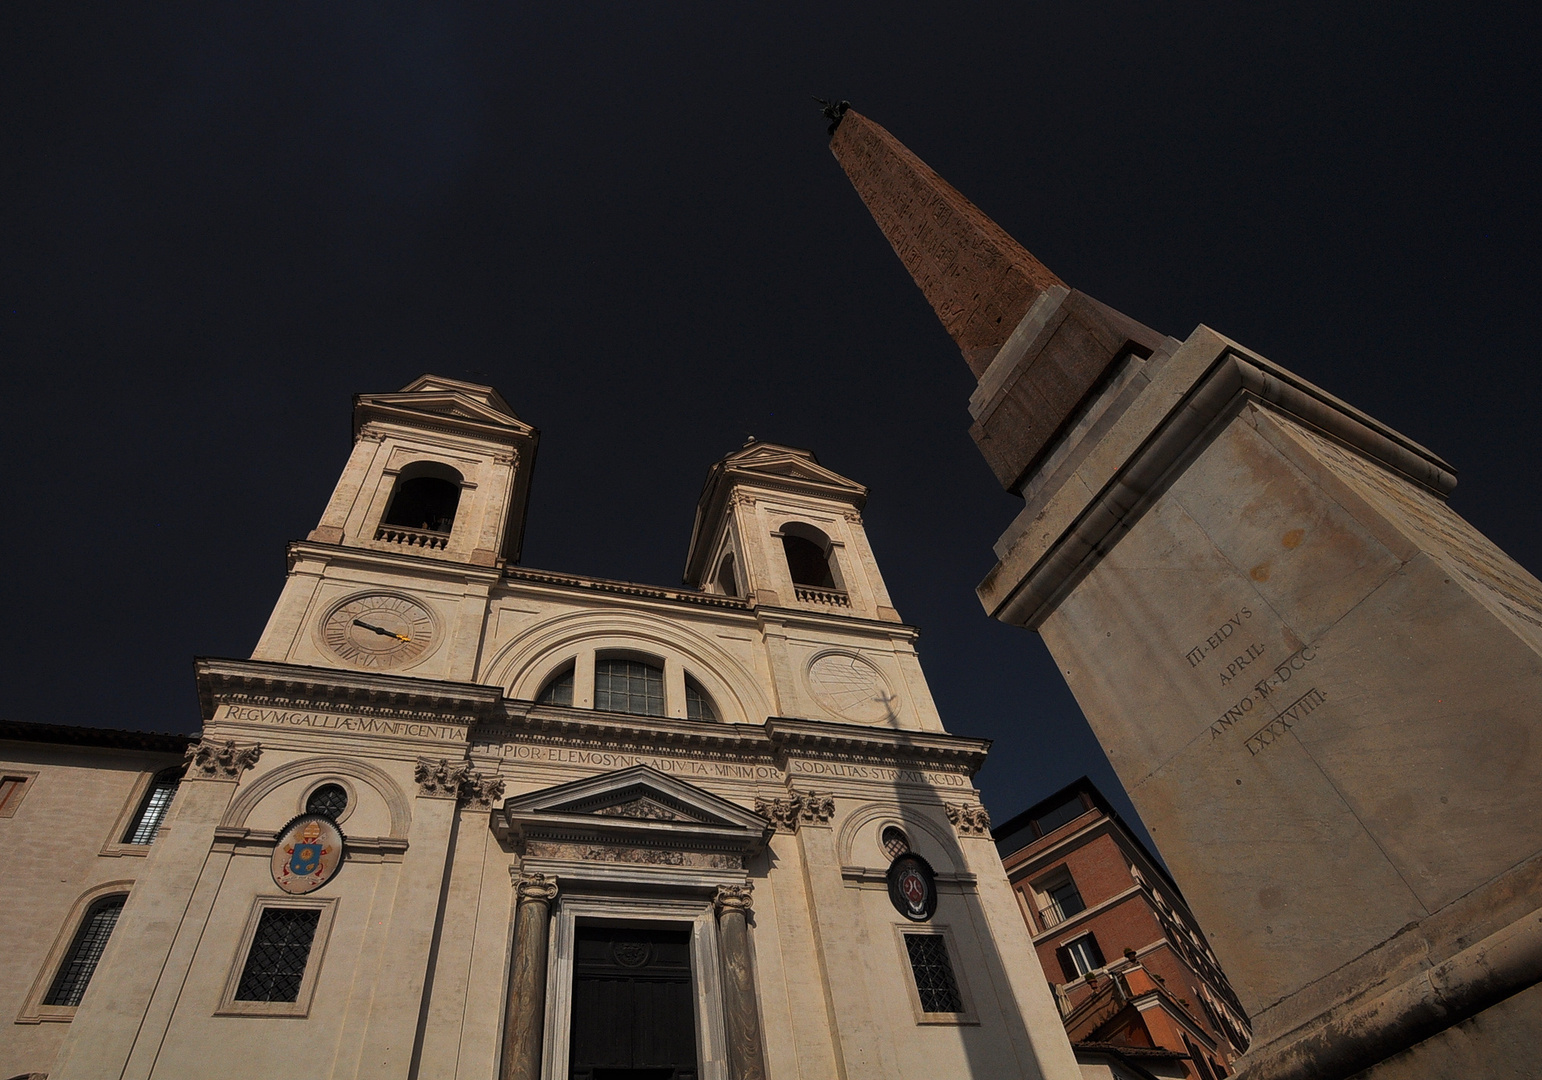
(360, 725)
(612, 759)
(881, 773)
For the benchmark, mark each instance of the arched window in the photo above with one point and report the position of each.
(808, 555)
(328, 799)
(152, 811)
(629, 686)
(698, 706)
(727, 582)
(895, 842)
(85, 953)
(558, 690)
(426, 496)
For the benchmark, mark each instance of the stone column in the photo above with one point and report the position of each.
(746, 1060)
(526, 1016)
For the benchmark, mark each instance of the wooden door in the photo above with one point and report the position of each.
(633, 1009)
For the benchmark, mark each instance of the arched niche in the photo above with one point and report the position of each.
(397, 806)
(858, 840)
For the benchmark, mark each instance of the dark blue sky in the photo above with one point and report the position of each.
(221, 221)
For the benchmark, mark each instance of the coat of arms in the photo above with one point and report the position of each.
(912, 887)
(308, 853)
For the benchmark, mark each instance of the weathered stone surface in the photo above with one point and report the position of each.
(1318, 684)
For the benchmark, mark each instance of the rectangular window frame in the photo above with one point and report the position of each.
(1065, 951)
(967, 1016)
(115, 846)
(300, 1007)
(1050, 912)
(24, 779)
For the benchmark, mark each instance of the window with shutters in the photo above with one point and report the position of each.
(279, 959)
(13, 788)
(1079, 956)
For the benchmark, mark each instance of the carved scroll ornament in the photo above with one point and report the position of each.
(538, 887)
(733, 898)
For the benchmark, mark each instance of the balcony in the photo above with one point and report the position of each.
(420, 538)
(813, 594)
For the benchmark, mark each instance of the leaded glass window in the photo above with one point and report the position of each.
(328, 799)
(85, 952)
(934, 973)
(275, 966)
(697, 705)
(153, 810)
(628, 686)
(559, 691)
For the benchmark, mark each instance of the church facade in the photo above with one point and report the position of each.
(464, 820)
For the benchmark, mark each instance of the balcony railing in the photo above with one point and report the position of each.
(815, 595)
(423, 538)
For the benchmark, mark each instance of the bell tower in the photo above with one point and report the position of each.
(777, 528)
(427, 511)
(440, 469)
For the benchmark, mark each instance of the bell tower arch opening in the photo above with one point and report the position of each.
(809, 556)
(426, 496)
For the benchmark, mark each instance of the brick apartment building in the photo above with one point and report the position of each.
(1138, 987)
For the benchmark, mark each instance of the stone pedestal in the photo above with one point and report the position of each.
(1321, 687)
(526, 1013)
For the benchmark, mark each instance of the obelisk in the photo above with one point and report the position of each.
(1321, 687)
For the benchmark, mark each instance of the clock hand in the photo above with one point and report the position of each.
(382, 632)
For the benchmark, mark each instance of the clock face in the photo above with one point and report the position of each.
(379, 630)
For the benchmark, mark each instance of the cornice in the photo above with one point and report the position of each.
(771, 742)
(809, 617)
(818, 738)
(421, 565)
(568, 725)
(268, 683)
(627, 588)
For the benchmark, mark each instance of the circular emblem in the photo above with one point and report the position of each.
(852, 688)
(308, 853)
(379, 630)
(632, 954)
(913, 887)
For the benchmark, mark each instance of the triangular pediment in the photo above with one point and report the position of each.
(451, 403)
(774, 461)
(639, 794)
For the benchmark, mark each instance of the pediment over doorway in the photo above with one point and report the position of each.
(635, 815)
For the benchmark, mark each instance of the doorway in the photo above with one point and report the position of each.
(633, 1005)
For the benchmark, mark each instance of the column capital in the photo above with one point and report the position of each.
(210, 759)
(968, 819)
(732, 898)
(541, 887)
